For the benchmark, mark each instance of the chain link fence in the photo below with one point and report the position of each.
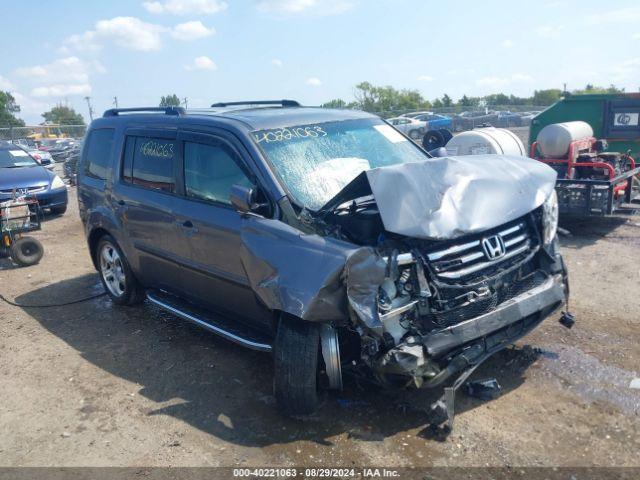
(42, 132)
(467, 118)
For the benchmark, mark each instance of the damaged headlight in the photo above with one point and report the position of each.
(550, 218)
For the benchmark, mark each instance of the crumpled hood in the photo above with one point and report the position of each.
(447, 197)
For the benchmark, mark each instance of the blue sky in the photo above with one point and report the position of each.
(309, 50)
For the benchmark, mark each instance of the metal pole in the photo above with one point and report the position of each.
(115, 101)
(88, 99)
(186, 104)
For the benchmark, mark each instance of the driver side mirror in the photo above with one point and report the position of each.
(245, 200)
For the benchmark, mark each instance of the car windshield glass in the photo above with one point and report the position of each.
(316, 161)
(16, 158)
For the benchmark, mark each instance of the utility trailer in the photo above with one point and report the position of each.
(591, 180)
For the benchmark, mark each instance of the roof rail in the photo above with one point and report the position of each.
(114, 112)
(282, 103)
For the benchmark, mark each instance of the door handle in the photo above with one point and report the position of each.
(187, 227)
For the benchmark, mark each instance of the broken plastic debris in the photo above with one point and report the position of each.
(487, 389)
(567, 319)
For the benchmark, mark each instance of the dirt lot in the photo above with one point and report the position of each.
(92, 384)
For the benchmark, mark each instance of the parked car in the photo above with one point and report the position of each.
(527, 117)
(70, 167)
(415, 129)
(43, 158)
(506, 119)
(59, 148)
(472, 119)
(22, 174)
(324, 236)
(433, 121)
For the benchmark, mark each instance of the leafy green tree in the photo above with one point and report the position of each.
(8, 107)
(437, 103)
(170, 101)
(469, 101)
(446, 100)
(591, 89)
(546, 97)
(63, 115)
(335, 103)
(388, 100)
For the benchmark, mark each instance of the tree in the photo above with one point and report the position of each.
(591, 89)
(446, 100)
(469, 101)
(437, 103)
(335, 103)
(8, 107)
(387, 100)
(63, 115)
(546, 97)
(170, 101)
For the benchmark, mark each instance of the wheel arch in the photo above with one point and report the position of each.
(93, 239)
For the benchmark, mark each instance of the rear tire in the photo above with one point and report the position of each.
(26, 251)
(115, 274)
(296, 366)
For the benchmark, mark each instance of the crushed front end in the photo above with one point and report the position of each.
(446, 306)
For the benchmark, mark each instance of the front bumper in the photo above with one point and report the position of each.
(53, 198)
(514, 318)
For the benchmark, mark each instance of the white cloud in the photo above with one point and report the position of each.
(316, 7)
(5, 84)
(191, 31)
(425, 78)
(202, 63)
(508, 43)
(127, 32)
(29, 106)
(620, 15)
(314, 82)
(501, 82)
(61, 90)
(64, 70)
(625, 71)
(186, 7)
(549, 31)
(277, 63)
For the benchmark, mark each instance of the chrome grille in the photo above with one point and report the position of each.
(468, 258)
(21, 190)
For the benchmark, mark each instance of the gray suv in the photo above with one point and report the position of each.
(325, 236)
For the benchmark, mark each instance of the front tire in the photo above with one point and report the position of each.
(296, 366)
(116, 275)
(61, 210)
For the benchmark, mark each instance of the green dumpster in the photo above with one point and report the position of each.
(614, 117)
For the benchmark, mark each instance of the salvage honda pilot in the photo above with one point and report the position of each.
(325, 236)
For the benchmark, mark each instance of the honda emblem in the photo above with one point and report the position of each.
(494, 247)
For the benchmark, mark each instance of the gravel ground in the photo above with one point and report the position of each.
(94, 384)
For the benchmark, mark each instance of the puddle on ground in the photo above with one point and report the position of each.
(591, 379)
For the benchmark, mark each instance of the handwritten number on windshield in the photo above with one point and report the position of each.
(285, 134)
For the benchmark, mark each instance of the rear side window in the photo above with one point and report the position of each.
(210, 171)
(150, 162)
(99, 152)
